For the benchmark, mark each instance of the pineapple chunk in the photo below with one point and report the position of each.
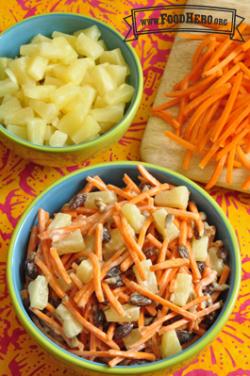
(19, 117)
(150, 283)
(84, 271)
(87, 46)
(9, 105)
(3, 65)
(170, 344)
(89, 130)
(118, 73)
(49, 80)
(47, 111)
(199, 248)
(122, 94)
(175, 198)
(133, 216)
(92, 32)
(29, 49)
(107, 197)
(58, 139)
(64, 94)
(7, 87)
(60, 220)
(36, 131)
(40, 38)
(113, 57)
(38, 91)
(89, 244)
(72, 243)
(59, 49)
(71, 122)
(37, 66)
(131, 314)
(71, 39)
(72, 73)
(83, 100)
(19, 68)
(102, 79)
(11, 76)
(116, 242)
(71, 326)
(48, 133)
(215, 262)
(108, 116)
(17, 130)
(166, 230)
(38, 292)
(132, 338)
(182, 289)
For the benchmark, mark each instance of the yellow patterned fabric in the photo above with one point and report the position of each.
(21, 181)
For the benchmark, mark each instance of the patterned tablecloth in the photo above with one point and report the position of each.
(21, 181)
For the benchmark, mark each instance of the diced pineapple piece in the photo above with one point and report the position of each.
(47, 111)
(72, 73)
(49, 80)
(131, 314)
(118, 73)
(38, 292)
(87, 46)
(102, 44)
(113, 57)
(89, 130)
(108, 116)
(29, 49)
(72, 243)
(92, 32)
(11, 76)
(83, 100)
(58, 139)
(175, 198)
(48, 132)
(60, 220)
(71, 122)
(9, 106)
(150, 283)
(107, 197)
(70, 38)
(36, 131)
(102, 79)
(122, 94)
(116, 242)
(84, 271)
(182, 289)
(215, 262)
(37, 67)
(64, 94)
(134, 217)
(3, 65)
(71, 326)
(42, 92)
(40, 38)
(58, 49)
(132, 338)
(89, 244)
(19, 68)
(7, 87)
(166, 230)
(18, 130)
(19, 117)
(199, 248)
(170, 344)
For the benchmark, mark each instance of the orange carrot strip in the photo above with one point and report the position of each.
(183, 233)
(130, 183)
(111, 330)
(154, 241)
(97, 183)
(167, 117)
(217, 172)
(48, 320)
(50, 278)
(207, 311)
(175, 325)
(33, 241)
(143, 231)
(218, 53)
(243, 157)
(98, 241)
(43, 218)
(125, 265)
(230, 165)
(147, 176)
(246, 184)
(193, 265)
(120, 192)
(223, 279)
(134, 286)
(97, 277)
(60, 266)
(166, 105)
(172, 263)
(77, 282)
(112, 300)
(141, 319)
(223, 63)
(180, 141)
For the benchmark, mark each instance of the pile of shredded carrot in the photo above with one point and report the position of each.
(99, 341)
(213, 120)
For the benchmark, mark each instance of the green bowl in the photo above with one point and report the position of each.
(53, 198)
(22, 33)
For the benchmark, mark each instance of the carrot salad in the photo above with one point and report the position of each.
(213, 107)
(125, 275)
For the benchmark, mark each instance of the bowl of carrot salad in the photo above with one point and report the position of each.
(124, 267)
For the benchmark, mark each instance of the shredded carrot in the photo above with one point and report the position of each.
(111, 331)
(147, 176)
(174, 263)
(33, 241)
(98, 241)
(112, 299)
(48, 320)
(60, 266)
(43, 218)
(97, 276)
(50, 278)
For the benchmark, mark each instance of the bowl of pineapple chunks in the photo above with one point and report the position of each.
(70, 86)
(124, 268)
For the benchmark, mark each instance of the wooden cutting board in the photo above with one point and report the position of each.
(157, 148)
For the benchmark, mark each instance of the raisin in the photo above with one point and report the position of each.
(98, 317)
(139, 300)
(183, 252)
(135, 362)
(77, 200)
(30, 269)
(201, 266)
(130, 274)
(174, 319)
(115, 281)
(151, 252)
(113, 272)
(210, 319)
(184, 336)
(209, 289)
(106, 237)
(54, 300)
(122, 331)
